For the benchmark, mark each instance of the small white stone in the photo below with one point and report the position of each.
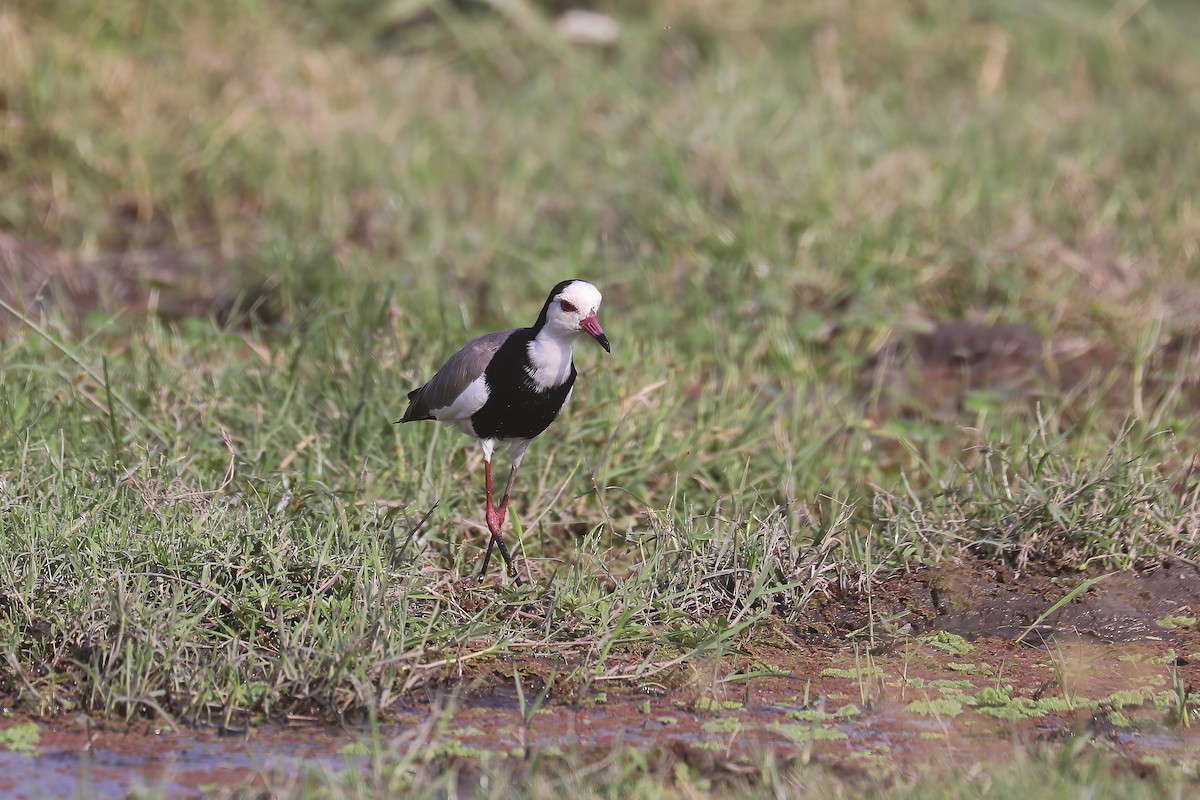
(588, 27)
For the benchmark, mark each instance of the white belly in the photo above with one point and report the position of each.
(459, 412)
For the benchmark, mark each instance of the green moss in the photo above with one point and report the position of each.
(453, 747)
(994, 696)
(1168, 700)
(21, 738)
(1169, 657)
(808, 733)
(947, 642)
(1049, 704)
(718, 746)
(1012, 712)
(809, 715)
(1175, 622)
(971, 669)
(468, 730)
(710, 704)
(854, 672)
(724, 725)
(354, 749)
(999, 703)
(938, 706)
(813, 715)
(1126, 698)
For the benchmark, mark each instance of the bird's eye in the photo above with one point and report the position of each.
(567, 307)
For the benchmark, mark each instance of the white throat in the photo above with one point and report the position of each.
(550, 357)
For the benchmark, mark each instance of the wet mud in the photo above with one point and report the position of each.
(958, 686)
(982, 599)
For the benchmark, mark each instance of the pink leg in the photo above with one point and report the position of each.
(495, 521)
(502, 509)
(487, 514)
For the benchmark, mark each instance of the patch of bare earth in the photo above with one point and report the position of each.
(961, 366)
(164, 282)
(938, 372)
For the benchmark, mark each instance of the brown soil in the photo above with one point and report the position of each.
(988, 600)
(163, 282)
(940, 372)
(1105, 669)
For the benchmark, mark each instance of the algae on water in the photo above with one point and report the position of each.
(21, 738)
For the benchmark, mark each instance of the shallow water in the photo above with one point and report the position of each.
(76, 762)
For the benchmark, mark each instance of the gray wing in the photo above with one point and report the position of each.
(455, 375)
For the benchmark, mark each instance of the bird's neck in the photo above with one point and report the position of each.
(550, 357)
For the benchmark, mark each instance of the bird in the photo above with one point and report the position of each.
(506, 388)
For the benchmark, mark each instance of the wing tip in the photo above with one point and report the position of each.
(413, 418)
(414, 412)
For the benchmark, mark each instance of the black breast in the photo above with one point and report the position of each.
(516, 407)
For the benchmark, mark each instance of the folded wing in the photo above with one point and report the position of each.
(454, 379)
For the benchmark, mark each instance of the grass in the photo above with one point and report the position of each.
(658, 773)
(214, 521)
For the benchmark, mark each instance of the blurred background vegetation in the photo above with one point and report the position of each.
(794, 168)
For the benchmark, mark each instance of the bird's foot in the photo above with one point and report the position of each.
(495, 521)
(508, 561)
(497, 542)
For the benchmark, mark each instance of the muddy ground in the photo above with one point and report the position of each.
(963, 675)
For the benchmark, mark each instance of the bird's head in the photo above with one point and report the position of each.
(571, 309)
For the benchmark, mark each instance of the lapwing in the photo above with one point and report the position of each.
(505, 388)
